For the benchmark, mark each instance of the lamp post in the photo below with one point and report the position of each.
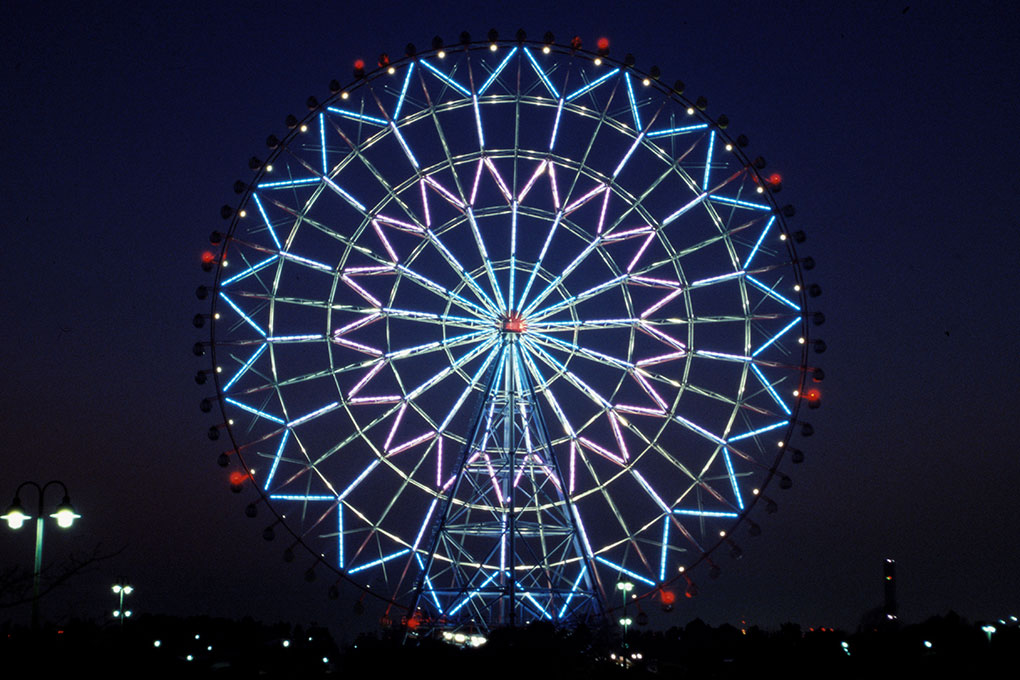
(625, 587)
(16, 517)
(121, 589)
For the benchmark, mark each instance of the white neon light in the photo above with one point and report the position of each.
(681, 211)
(314, 414)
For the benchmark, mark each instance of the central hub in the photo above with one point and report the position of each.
(514, 323)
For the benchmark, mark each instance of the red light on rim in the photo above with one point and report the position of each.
(208, 256)
(359, 64)
(603, 43)
(775, 178)
(237, 478)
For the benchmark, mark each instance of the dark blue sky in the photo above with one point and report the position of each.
(893, 127)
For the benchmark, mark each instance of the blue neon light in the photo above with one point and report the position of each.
(732, 476)
(760, 430)
(250, 270)
(379, 561)
(289, 183)
(447, 79)
(540, 607)
(322, 142)
(244, 368)
(677, 130)
(595, 83)
(665, 544)
(252, 409)
(771, 390)
(403, 92)
(541, 73)
(739, 203)
(708, 160)
(630, 152)
(299, 497)
(776, 337)
(556, 127)
(276, 458)
(623, 570)
(265, 218)
(705, 513)
(242, 314)
(340, 535)
(573, 591)
(495, 74)
(633, 102)
(428, 583)
(473, 593)
(757, 244)
(354, 115)
(773, 293)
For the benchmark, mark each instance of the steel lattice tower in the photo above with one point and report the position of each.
(505, 548)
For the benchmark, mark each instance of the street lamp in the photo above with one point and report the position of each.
(16, 518)
(625, 587)
(121, 589)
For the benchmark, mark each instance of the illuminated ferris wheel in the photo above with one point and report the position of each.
(501, 324)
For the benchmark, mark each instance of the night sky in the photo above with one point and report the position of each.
(893, 126)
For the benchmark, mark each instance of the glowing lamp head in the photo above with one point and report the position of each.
(15, 515)
(65, 514)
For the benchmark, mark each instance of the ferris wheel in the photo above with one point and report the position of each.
(501, 324)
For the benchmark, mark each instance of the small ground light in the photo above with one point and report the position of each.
(927, 644)
(988, 631)
(157, 643)
(286, 643)
(846, 647)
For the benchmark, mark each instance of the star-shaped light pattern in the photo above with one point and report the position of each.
(414, 221)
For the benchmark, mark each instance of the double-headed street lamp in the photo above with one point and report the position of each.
(121, 589)
(625, 587)
(16, 518)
